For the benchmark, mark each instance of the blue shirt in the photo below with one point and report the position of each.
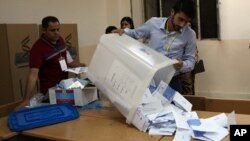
(175, 45)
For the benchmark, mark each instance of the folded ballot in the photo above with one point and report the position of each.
(77, 70)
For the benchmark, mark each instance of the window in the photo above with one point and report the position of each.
(205, 23)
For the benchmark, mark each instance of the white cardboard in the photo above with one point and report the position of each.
(81, 96)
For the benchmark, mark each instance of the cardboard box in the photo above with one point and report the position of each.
(16, 41)
(77, 97)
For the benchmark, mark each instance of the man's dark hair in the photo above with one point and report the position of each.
(186, 6)
(46, 20)
(109, 29)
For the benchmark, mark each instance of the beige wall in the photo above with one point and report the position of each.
(91, 16)
(227, 69)
(227, 61)
(234, 19)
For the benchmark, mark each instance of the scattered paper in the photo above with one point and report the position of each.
(77, 70)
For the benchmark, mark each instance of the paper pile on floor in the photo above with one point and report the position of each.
(163, 111)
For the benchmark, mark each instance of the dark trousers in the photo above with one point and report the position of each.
(183, 83)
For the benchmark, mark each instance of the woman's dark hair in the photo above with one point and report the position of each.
(46, 20)
(109, 29)
(129, 20)
(186, 6)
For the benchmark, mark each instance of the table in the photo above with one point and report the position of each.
(106, 125)
(5, 132)
(93, 125)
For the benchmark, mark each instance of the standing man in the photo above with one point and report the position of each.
(172, 37)
(47, 57)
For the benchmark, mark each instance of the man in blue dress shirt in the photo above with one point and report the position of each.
(172, 37)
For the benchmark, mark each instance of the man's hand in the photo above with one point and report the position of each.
(178, 65)
(31, 82)
(22, 105)
(119, 31)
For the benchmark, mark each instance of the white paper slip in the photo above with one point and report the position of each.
(179, 100)
(217, 136)
(182, 135)
(220, 119)
(231, 120)
(150, 108)
(181, 121)
(169, 93)
(157, 131)
(160, 89)
(77, 70)
(202, 125)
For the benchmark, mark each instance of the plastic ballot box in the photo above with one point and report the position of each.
(122, 68)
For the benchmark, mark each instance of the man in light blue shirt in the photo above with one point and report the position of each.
(171, 37)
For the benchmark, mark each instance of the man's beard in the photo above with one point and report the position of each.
(176, 27)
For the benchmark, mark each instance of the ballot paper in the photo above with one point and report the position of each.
(164, 111)
(72, 83)
(207, 129)
(163, 93)
(181, 121)
(220, 119)
(182, 102)
(231, 119)
(77, 70)
(182, 135)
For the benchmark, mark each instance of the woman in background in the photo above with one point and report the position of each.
(127, 22)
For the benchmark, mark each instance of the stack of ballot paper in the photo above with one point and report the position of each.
(164, 111)
(72, 83)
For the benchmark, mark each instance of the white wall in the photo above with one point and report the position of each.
(227, 69)
(234, 18)
(227, 62)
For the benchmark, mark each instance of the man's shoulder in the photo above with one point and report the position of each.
(189, 30)
(38, 42)
(158, 19)
(61, 40)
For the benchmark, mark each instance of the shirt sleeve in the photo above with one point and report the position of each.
(189, 54)
(35, 57)
(142, 31)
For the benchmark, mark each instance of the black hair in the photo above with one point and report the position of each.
(129, 20)
(109, 29)
(186, 6)
(46, 20)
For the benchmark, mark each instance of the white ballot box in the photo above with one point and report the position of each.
(122, 68)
